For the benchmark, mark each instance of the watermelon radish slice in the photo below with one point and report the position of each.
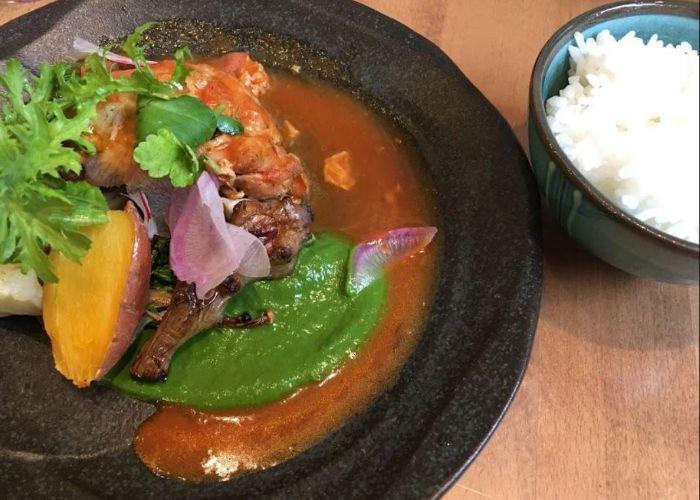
(369, 259)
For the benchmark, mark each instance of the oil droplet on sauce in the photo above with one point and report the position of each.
(390, 192)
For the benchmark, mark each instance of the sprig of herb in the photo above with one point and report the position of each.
(136, 50)
(163, 155)
(181, 70)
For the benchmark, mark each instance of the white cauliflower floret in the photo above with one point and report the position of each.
(19, 293)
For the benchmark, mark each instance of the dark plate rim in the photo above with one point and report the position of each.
(459, 473)
(536, 108)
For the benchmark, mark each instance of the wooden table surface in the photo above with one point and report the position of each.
(609, 405)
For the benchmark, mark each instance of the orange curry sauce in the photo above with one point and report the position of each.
(389, 192)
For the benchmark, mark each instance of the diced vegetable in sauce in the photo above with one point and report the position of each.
(337, 170)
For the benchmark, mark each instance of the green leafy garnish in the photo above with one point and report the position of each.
(163, 154)
(228, 125)
(38, 142)
(93, 82)
(48, 213)
(161, 274)
(181, 71)
(169, 131)
(143, 75)
(133, 47)
(192, 122)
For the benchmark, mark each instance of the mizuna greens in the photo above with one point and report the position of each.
(39, 141)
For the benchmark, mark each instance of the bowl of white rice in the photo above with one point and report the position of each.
(614, 135)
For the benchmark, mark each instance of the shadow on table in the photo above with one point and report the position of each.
(585, 297)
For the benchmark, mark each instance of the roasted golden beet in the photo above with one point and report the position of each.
(91, 314)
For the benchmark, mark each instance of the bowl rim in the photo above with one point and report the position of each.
(537, 115)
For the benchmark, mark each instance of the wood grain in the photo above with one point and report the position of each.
(609, 406)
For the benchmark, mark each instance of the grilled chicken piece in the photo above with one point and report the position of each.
(256, 163)
(257, 167)
(282, 225)
(232, 81)
(217, 88)
(186, 316)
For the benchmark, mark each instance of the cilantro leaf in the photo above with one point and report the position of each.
(163, 154)
(192, 122)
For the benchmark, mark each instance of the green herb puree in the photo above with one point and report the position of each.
(317, 326)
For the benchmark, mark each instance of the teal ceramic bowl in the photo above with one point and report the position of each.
(593, 220)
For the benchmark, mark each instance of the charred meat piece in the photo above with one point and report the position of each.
(257, 167)
(282, 225)
(185, 317)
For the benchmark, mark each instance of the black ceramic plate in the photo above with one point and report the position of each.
(415, 439)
